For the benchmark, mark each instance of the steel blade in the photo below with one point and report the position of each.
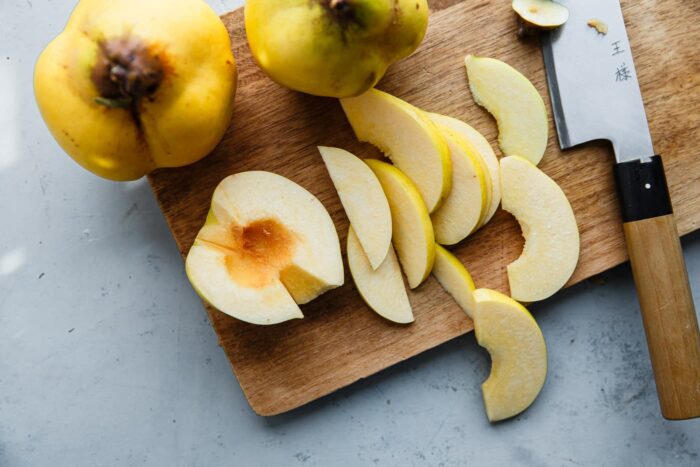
(593, 82)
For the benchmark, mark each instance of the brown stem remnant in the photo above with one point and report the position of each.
(342, 10)
(125, 71)
(339, 4)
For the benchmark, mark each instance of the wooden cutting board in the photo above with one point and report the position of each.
(341, 340)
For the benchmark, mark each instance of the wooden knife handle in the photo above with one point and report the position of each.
(663, 289)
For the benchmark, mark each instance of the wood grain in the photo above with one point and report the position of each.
(341, 340)
(668, 312)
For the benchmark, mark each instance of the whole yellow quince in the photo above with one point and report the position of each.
(335, 48)
(131, 85)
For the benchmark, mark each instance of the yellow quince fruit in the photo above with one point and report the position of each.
(335, 48)
(130, 86)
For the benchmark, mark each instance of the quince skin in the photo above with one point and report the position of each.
(131, 86)
(334, 48)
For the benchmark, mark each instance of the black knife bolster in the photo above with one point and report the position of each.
(642, 189)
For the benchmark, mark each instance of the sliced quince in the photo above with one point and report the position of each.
(518, 354)
(480, 147)
(515, 104)
(549, 226)
(542, 14)
(413, 235)
(466, 205)
(381, 288)
(455, 279)
(407, 137)
(363, 200)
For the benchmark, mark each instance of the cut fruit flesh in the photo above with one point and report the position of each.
(455, 279)
(363, 200)
(543, 14)
(267, 245)
(518, 354)
(549, 226)
(412, 235)
(381, 288)
(212, 281)
(407, 137)
(481, 147)
(465, 207)
(515, 104)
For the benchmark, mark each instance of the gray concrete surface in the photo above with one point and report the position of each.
(107, 358)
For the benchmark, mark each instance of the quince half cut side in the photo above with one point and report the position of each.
(267, 245)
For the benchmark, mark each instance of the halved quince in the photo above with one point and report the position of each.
(267, 245)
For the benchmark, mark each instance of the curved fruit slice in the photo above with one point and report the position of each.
(543, 14)
(455, 279)
(466, 205)
(381, 288)
(518, 354)
(551, 235)
(514, 102)
(267, 245)
(407, 137)
(413, 234)
(481, 147)
(363, 200)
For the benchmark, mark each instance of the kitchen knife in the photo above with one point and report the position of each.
(595, 95)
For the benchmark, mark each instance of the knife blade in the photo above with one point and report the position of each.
(612, 109)
(595, 96)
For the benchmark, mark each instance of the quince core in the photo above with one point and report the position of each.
(255, 253)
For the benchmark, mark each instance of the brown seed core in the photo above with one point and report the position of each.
(258, 251)
(341, 10)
